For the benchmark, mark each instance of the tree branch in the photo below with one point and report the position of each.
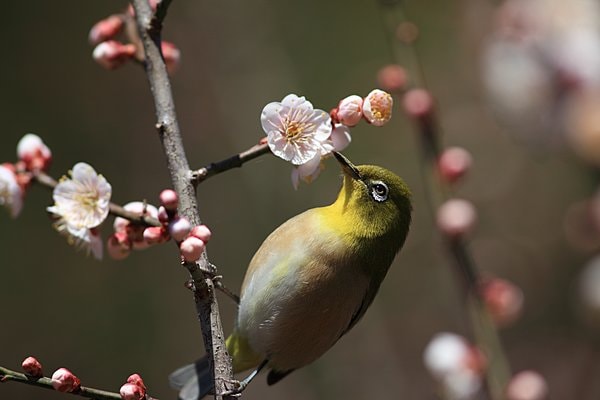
(170, 136)
(7, 375)
(236, 161)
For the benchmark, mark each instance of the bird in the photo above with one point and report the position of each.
(312, 279)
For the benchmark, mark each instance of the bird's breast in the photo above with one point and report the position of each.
(301, 291)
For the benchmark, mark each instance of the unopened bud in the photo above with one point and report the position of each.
(63, 380)
(418, 103)
(201, 232)
(392, 78)
(112, 54)
(456, 217)
(179, 228)
(136, 379)
(171, 55)
(106, 29)
(527, 385)
(34, 153)
(349, 111)
(377, 107)
(118, 245)
(503, 300)
(155, 235)
(454, 163)
(32, 367)
(131, 391)
(169, 199)
(191, 249)
(163, 215)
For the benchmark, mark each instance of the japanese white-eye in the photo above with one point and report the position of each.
(313, 278)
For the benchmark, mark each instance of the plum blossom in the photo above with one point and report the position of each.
(338, 140)
(296, 132)
(11, 194)
(377, 107)
(81, 204)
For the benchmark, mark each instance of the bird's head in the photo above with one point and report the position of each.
(374, 200)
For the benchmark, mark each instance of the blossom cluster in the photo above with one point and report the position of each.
(304, 136)
(15, 178)
(133, 235)
(112, 53)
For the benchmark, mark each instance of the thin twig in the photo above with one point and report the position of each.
(7, 375)
(236, 161)
(170, 135)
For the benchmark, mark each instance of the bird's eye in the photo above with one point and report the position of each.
(379, 191)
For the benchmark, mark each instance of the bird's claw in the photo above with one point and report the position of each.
(238, 388)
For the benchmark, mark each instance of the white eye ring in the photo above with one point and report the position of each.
(378, 191)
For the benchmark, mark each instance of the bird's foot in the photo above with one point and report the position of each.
(238, 388)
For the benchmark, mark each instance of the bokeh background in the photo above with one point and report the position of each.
(105, 320)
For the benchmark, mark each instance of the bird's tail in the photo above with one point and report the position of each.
(194, 381)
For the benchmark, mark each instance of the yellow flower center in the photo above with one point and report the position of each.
(293, 129)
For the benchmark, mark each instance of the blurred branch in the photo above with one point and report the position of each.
(236, 161)
(400, 30)
(170, 136)
(7, 375)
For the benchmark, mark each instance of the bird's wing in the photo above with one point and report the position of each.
(364, 305)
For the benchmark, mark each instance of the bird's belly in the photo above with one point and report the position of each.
(294, 323)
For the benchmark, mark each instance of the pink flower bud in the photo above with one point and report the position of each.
(135, 232)
(191, 249)
(106, 29)
(527, 385)
(377, 107)
(392, 78)
(169, 199)
(163, 215)
(349, 111)
(418, 103)
(454, 163)
(503, 300)
(136, 379)
(118, 245)
(34, 153)
(201, 232)
(63, 380)
(456, 217)
(155, 235)
(131, 391)
(171, 55)
(179, 228)
(32, 367)
(112, 54)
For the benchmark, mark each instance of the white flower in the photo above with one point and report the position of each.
(81, 203)
(310, 170)
(83, 238)
(82, 200)
(295, 131)
(11, 195)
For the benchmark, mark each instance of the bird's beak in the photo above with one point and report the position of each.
(348, 168)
